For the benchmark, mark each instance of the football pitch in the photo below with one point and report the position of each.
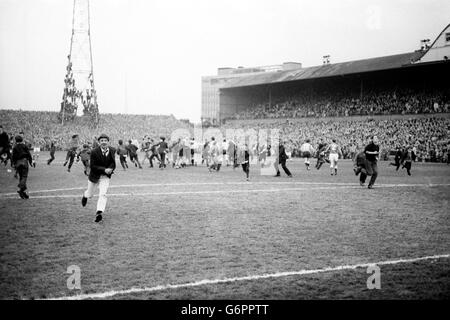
(191, 234)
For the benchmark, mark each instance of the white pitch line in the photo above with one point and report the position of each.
(228, 183)
(127, 194)
(185, 184)
(246, 278)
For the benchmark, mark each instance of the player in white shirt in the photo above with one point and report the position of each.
(335, 153)
(214, 153)
(307, 151)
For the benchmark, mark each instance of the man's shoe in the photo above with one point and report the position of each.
(20, 194)
(361, 184)
(369, 187)
(99, 217)
(25, 195)
(65, 163)
(84, 201)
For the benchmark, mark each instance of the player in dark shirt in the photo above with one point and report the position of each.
(321, 158)
(397, 159)
(21, 159)
(372, 152)
(71, 151)
(52, 152)
(407, 158)
(122, 151)
(162, 150)
(154, 152)
(246, 161)
(281, 159)
(132, 151)
(5, 147)
(360, 167)
(85, 156)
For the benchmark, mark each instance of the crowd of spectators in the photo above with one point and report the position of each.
(72, 97)
(42, 127)
(429, 136)
(307, 103)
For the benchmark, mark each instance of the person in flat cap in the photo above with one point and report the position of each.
(21, 159)
(102, 165)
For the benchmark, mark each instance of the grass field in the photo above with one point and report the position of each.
(164, 231)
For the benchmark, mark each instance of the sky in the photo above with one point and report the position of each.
(149, 55)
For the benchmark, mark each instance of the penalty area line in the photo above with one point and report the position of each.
(112, 293)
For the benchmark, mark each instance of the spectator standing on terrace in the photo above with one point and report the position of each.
(372, 152)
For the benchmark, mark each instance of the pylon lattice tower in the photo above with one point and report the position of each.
(79, 89)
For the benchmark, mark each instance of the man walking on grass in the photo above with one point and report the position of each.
(21, 159)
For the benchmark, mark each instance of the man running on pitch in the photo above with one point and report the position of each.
(103, 164)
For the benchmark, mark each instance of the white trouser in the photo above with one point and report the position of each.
(307, 160)
(103, 185)
(333, 160)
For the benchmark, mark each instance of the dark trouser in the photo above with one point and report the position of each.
(246, 168)
(162, 156)
(134, 158)
(22, 170)
(87, 168)
(52, 157)
(363, 174)
(70, 156)
(283, 165)
(192, 156)
(396, 164)
(372, 170)
(123, 161)
(407, 165)
(154, 155)
(319, 163)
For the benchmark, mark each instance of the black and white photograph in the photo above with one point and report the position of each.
(224, 154)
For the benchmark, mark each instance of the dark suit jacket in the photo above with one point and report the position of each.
(99, 163)
(282, 153)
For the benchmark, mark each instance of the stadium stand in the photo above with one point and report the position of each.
(428, 135)
(332, 102)
(41, 126)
